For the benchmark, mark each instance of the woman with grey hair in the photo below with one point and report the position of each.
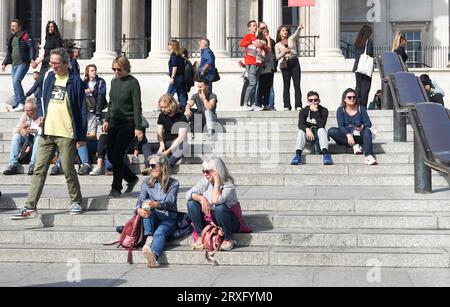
(215, 195)
(157, 205)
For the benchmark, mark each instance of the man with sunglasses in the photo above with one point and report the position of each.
(313, 118)
(63, 116)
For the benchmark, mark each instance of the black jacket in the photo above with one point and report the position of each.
(26, 45)
(401, 52)
(360, 51)
(321, 118)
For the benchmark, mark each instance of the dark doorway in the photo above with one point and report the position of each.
(29, 12)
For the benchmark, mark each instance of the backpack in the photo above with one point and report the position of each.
(132, 236)
(189, 75)
(184, 227)
(212, 238)
(24, 156)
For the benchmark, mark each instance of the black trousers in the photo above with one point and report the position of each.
(244, 90)
(265, 84)
(363, 85)
(294, 72)
(120, 135)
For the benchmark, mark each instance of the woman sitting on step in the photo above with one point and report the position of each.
(215, 195)
(354, 127)
(157, 204)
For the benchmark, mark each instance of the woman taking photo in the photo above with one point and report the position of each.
(157, 205)
(286, 50)
(123, 122)
(176, 72)
(363, 42)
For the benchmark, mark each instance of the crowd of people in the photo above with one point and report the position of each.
(63, 120)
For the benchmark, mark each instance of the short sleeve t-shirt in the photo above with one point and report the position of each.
(169, 122)
(58, 121)
(199, 103)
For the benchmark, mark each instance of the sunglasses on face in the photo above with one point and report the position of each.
(351, 97)
(207, 171)
(153, 166)
(117, 69)
(313, 100)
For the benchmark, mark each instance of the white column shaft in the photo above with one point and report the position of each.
(330, 29)
(273, 15)
(216, 26)
(160, 28)
(105, 34)
(4, 27)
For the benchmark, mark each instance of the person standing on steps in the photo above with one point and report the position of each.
(123, 123)
(65, 128)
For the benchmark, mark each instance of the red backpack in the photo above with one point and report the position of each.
(212, 238)
(132, 236)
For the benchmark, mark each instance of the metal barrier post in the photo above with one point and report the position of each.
(399, 127)
(422, 172)
(387, 96)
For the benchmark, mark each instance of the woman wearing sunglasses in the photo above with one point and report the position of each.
(157, 205)
(354, 127)
(123, 123)
(215, 195)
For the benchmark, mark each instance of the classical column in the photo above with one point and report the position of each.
(330, 29)
(160, 28)
(132, 28)
(216, 26)
(273, 15)
(51, 10)
(179, 18)
(106, 29)
(4, 27)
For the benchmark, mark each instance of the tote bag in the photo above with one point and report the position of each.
(365, 65)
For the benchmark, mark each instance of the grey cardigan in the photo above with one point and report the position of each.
(204, 188)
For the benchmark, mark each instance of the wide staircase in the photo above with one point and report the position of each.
(348, 214)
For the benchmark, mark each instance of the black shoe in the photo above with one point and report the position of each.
(85, 169)
(56, 170)
(31, 170)
(114, 193)
(12, 170)
(131, 186)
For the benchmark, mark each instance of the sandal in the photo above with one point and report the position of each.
(197, 246)
(228, 246)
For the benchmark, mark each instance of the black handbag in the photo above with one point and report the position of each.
(284, 64)
(217, 76)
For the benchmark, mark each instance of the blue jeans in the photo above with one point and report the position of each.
(179, 87)
(18, 74)
(222, 215)
(365, 139)
(16, 143)
(161, 227)
(272, 99)
(85, 151)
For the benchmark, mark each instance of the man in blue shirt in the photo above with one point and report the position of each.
(207, 68)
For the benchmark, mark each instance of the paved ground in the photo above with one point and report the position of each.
(56, 275)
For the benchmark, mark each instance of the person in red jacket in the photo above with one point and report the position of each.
(252, 66)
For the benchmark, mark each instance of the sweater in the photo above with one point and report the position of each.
(204, 188)
(347, 123)
(125, 101)
(308, 119)
(250, 59)
(292, 45)
(168, 201)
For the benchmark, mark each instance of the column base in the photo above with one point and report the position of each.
(159, 55)
(330, 53)
(104, 55)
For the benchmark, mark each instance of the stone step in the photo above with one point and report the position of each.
(258, 220)
(306, 180)
(298, 237)
(247, 256)
(307, 204)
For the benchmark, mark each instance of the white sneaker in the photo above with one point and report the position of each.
(75, 209)
(298, 109)
(257, 109)
(97, 171)
(370, 160)
(246, 108)
(286, 110)
(357, 149)
(18, 109)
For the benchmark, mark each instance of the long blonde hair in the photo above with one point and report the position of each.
(176, 47)
(163, 162)
(397, 40)
(174, 107)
